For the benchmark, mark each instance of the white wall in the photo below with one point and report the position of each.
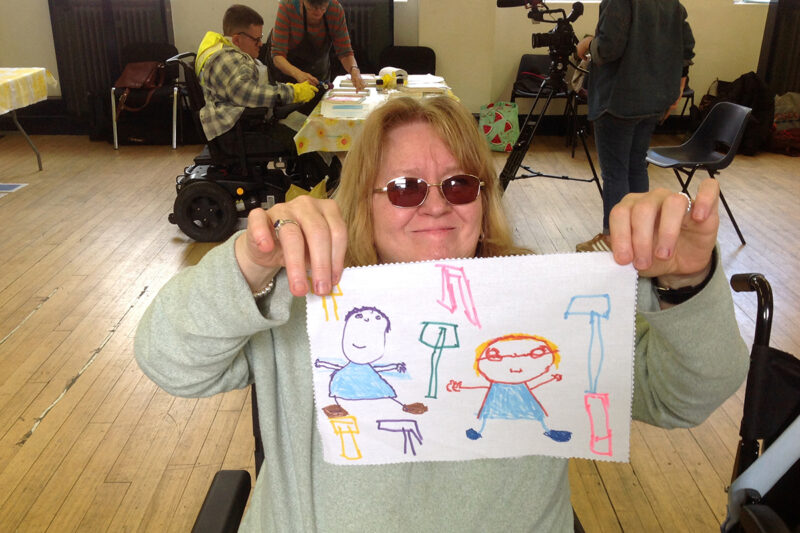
(477, 45)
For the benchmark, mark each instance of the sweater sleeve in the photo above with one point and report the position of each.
(613, 28)
(688, 43)
(193, 338)
(337, 24)
(689, 358)
(281, 32)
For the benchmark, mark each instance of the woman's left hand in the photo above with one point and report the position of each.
(655, 232)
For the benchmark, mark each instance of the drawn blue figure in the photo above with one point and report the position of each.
(363, 343)
(514, 365)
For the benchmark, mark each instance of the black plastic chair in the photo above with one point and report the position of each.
(711, 148)
(135, 52)
(688, 96)
(412, 59)
(532, 70)
(771, 404)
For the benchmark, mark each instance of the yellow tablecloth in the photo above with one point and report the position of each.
(324, 134)
(321, 134)
(20, 87)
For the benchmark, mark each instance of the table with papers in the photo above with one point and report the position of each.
(337, 119)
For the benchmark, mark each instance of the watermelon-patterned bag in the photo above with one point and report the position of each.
(499, 123)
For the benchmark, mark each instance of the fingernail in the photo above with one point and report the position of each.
(298, 287)
(699, 213)
(321, 288)
(663, 253)
(640, 263)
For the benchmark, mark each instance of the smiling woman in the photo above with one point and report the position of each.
(239, 340)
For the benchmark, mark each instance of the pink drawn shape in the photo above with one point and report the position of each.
(448, 299)
(597, 408)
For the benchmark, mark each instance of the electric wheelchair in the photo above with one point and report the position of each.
(239, 170)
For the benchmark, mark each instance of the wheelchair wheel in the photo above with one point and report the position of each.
(205, 212)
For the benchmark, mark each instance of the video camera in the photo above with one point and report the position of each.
(561, 40)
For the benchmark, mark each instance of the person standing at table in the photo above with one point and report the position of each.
(300, 44)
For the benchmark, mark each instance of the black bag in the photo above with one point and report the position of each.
(751, 91)
(139, 75)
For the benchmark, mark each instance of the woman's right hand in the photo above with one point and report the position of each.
(316, 241)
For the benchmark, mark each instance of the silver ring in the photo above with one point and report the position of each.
(282, 222)
(688, 199)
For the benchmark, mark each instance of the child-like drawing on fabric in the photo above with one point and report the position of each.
(514, 365)
(363, 343)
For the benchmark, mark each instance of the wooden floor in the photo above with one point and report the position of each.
(87, 443)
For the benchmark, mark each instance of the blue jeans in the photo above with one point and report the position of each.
(622, 145)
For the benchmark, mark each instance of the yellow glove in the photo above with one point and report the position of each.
(303, 92)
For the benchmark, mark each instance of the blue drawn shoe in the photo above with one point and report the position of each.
(559, 436)
(472, 434)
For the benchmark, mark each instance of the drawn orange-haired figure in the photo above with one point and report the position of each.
(514, 365)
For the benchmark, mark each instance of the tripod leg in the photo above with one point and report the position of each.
(526, 134)
(595, 179)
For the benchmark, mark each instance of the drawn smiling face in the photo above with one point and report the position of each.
(515, 361)
(364, 336)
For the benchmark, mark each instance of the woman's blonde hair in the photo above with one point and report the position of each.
(459, 131)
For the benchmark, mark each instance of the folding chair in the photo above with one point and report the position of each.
(167, 92)
(412, 59)
(533, 68)
(765, 492)
(711, 148)
(688, 96)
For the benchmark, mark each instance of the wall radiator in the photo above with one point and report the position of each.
(88, 35)
(371, 27)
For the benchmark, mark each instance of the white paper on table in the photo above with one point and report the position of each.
(440, 313)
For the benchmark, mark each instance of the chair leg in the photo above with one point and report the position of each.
(684, 185)
(174, 117)
(733, 220)
(114, 118)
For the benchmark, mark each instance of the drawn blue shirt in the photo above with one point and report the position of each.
(511, 401)
(356, 381)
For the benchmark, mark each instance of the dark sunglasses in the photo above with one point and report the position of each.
(411, 192)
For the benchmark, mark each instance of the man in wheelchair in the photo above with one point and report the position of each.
(250, 159)
(233, 79)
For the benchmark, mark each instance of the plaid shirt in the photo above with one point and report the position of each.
(230, 81)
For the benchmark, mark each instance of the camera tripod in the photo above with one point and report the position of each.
(552, 84)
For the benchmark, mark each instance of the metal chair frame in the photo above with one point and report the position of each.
(132, 53)
(711, 148)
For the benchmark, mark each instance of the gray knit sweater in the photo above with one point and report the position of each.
(204, 334)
